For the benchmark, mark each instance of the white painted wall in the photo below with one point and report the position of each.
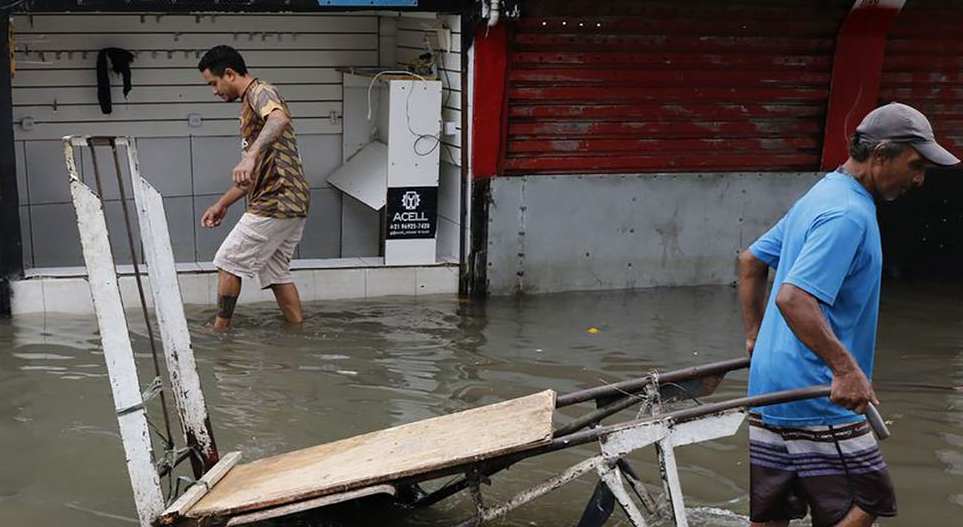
(56, 86)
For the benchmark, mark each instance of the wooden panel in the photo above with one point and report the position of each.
(384, 456)
(628, 85)
(196, 492)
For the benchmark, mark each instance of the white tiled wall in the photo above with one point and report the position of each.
(72, 294)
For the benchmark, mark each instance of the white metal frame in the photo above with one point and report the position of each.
(169, 309)
(666, 435)
(105, 292)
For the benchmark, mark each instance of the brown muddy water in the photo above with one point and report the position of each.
(358, 366)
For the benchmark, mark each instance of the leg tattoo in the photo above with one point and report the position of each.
(225, 306)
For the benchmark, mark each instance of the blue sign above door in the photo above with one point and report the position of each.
(373, 3)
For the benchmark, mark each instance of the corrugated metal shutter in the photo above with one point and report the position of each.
(924, 66)
(629, 86)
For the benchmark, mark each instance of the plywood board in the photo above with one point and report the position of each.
(383, 456)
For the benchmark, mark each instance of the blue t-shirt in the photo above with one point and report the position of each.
(828, 245)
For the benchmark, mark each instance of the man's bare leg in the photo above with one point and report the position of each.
(228, 289)
(289, 301)
(857, 518)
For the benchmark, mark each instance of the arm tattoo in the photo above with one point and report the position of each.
(225, 306)
(272, 130)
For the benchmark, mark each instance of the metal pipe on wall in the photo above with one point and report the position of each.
(11, 251)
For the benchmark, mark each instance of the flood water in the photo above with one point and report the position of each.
(358, 366)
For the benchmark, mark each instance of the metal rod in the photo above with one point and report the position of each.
(177, 461)
(593, 417)
(678, 416)
(495, 465)
(570, 474)
(93, 159)
(634, 385)
(876, 422)
(500, 464)
(198, 467)
(688, 414)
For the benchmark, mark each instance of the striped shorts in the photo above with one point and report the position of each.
(825, 469)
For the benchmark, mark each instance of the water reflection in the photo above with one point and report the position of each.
(358, 366)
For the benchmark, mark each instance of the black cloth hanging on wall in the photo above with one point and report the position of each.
(120, 60)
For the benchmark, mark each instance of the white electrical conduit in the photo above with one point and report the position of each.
(493, 12)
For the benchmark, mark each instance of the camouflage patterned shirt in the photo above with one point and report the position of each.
(279, 189)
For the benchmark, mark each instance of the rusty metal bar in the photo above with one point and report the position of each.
(596, 416)
(572, 473)
(580, 438)
(688, 414)
(109, 141)
(634, 385)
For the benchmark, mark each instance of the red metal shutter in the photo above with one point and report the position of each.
(610, 86)
(924, 66)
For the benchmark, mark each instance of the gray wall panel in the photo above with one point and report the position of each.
(21, 159)
(56, 241)
(118, 232)
(182, 224)
(166, 163)
(448, 244)
(26, 240)
(320, 155)
(46, 173)
(322, 233)
(108, 171)
(567, 233)
(214, 158)
(360, 229)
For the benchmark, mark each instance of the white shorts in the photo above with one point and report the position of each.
(261, 247)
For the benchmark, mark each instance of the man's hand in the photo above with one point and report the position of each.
(753, 276)
(852, 390)
(213, 216)
(243, 171)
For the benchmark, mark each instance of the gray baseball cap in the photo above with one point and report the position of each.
(900, 123)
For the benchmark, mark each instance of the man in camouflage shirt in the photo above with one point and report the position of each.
(269, 174)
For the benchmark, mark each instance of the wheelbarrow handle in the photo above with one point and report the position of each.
(876, 422)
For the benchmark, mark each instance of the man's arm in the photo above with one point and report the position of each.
(753, 274)
(851, 388)
(274, 126)
(276, 122)
(215, 213)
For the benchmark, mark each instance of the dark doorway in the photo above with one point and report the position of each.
(922, 232)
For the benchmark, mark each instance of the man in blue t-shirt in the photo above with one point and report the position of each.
(819, 327)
